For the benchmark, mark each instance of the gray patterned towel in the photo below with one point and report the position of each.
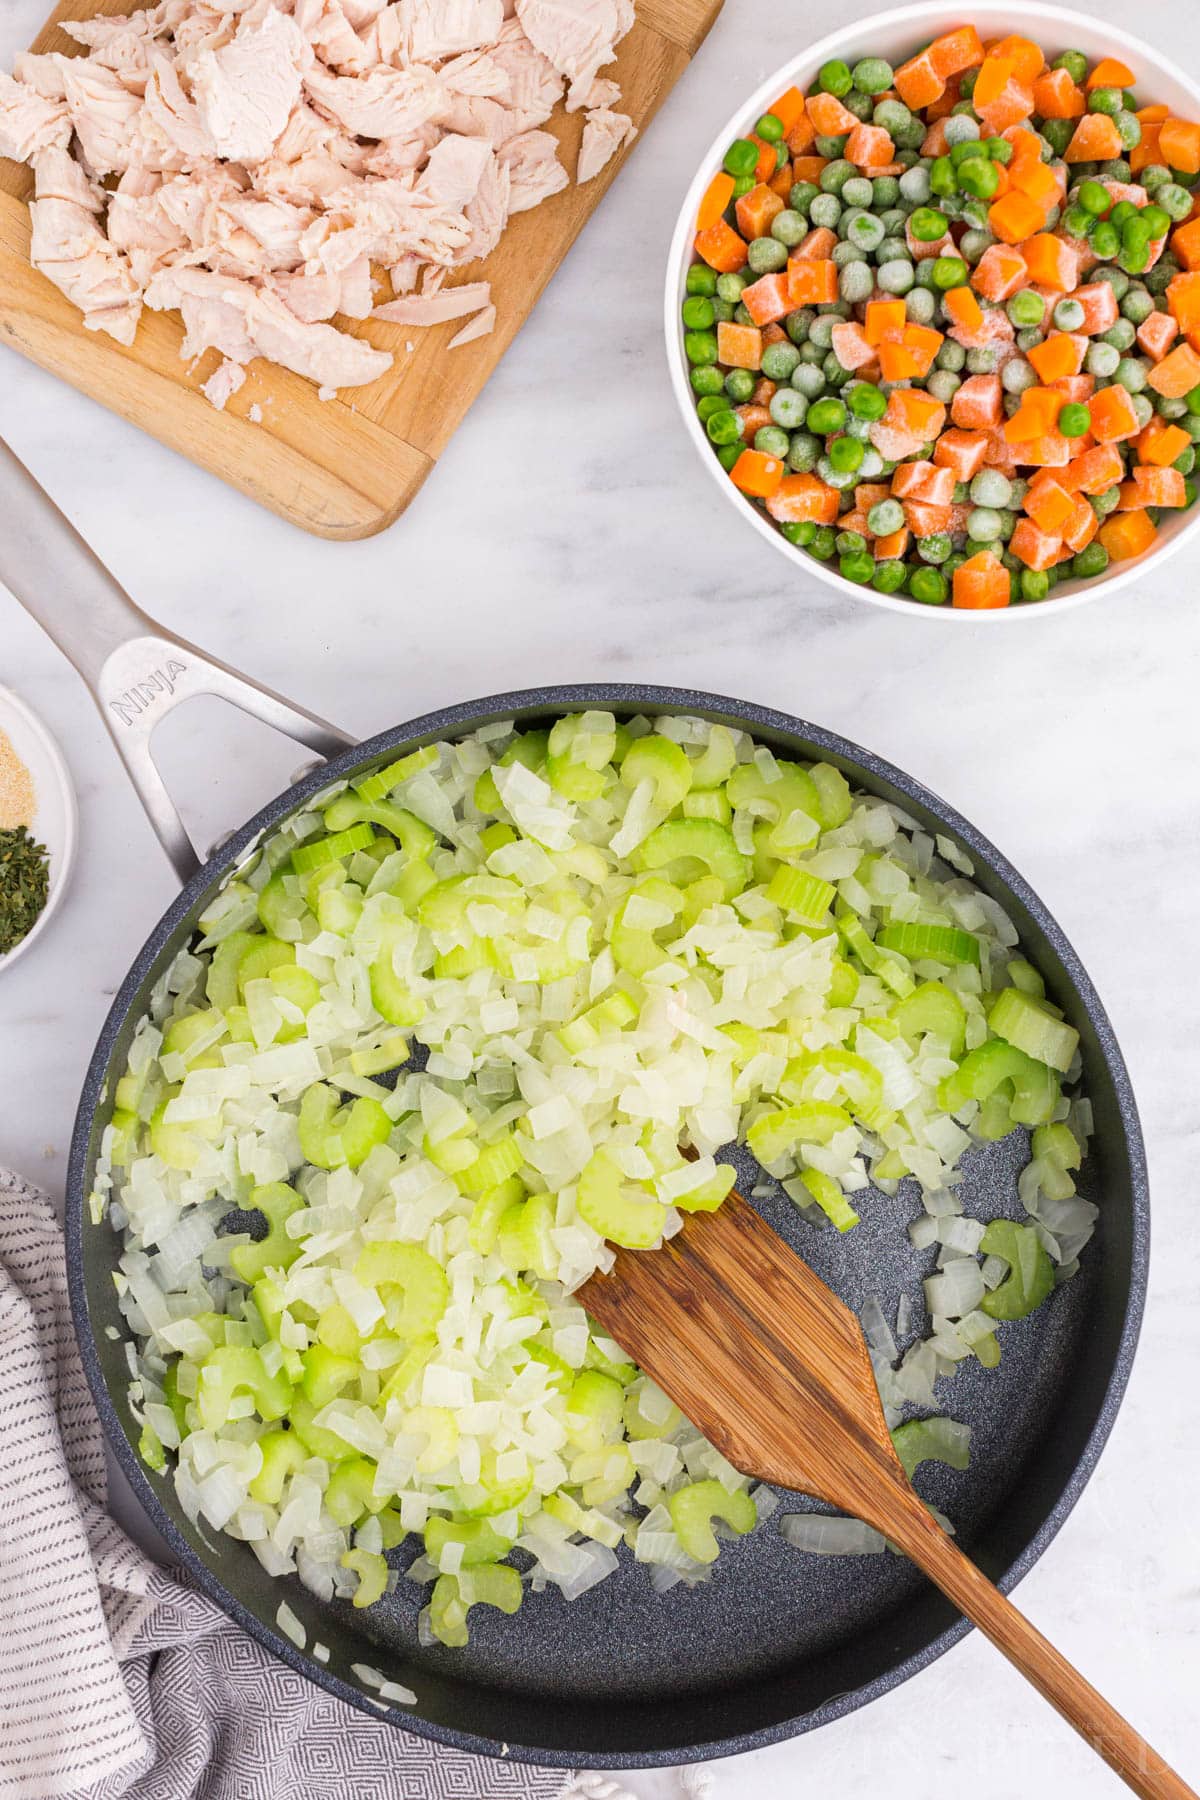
(117, 1678)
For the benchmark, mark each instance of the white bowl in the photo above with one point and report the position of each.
(56, 820)
(897, 34)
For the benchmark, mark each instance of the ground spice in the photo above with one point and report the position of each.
(24, 885)
(18, 802)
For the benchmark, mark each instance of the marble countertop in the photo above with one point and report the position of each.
(567, 535)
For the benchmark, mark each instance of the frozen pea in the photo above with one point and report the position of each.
(893, 220)
(812, 353)
(894, 249)
(836, 174)
(960, 129)
(1008, 522)
(872, 464)
(801, 195)
(914, 184)
(943, 384)
(951, 356)
(859, 428)
(1116, 278)
(984, 523)
(788, 408)
(1120, 336)
(973, 244)
(1017, 375)
(739, 385)
(844, 253)
(872, 75)
(991, 488)
(885, 191)
(885, 517)
(1130, 375)
(974, 215)
(804, 452)
(836, 309)
(833, 371)
(742, 315)
(829, 147)
(919, 305)
(1143, 412)
(1029, 338)
(908, 140)
(1175, 200)
(861, 105)
(1011, 404)
(797, 323)
(1190, 423)
(864, 231)
(820, 332)
(779, 360)
(722, 311)
(766, 256)
(1137, 305)
(836, 478)
(1118, 169)
(924, 275)
(807, 379)
(731, 287)
(826, 210)
(981, 360)
(770, 440)
(891, 116)
(1068, 315)
(935, 548)
(1171, 409)
(790, 227)
(1158, 279)
(1108, 501)
(857, 192)
(856, 282)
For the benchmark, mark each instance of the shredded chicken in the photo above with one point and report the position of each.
(259, 165)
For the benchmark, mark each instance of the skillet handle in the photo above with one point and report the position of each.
(136, 670)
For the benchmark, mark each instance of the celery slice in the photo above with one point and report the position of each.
(595, 1406)
(314, 855)
(834, 800)
(282, 1455)
(333, 1137)
(232, 1369)
(806, 897)
(351, 1492)
(662, 762)
(830, 1198)
(697, 840)
(1030, 1277)
(379, 785)
(1027, 1023)
(984, 1071)
(422, 1282)
(415, 838)
(932, 1010)
(693, 1508)
(494, 1584)
(277, 1202)
(717, 761)
(478, 1538)
(776, 1134)
(932, 1440)
(932, 943)
(635, 948)
(603, 1204)
(372, 1574)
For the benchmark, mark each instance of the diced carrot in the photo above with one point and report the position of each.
(1014, 217)
(978, 403)
(1058, 355)
(1179, 145)
(1175, 375)
(1025, 56)
(1051, 262)
(851, 345)
(1152, 115)
(935, 142)
(764, 391)
(885, 321)
(1112, 413)
(869, 147)
(1056, 96)
(1026, 145)
(1095, 471)
(1036, 548)
(768, 298)
(768, 157)
(1014, 104)
(898, 362)
(955, 51)
(1075, 389)
(916, 410)
(923, 342)
(918, 82)
(1080, 528)
(1099, 303)
(962, 308)
(1156, 334)
(717, 196)
(1185, 244)
(1000, 453)
(895, 543)
(753, 416)
(924, 481)
(924, 519)
(803, 497)
(947, 100)
(757, 475)
(788, 108)
(755, 211)
(1053, 451)
(1108, 72)
(808, 168)
(961, 452)
(1036, 416)
(739, 346)
(1133, 191)
(999, 272)
(721, 248)
(1095, 139)
(921, 249)
(1152, 486)
(829, 117)
(1048, 503)
(869, 493)
(994, 75)
(894, 441)
(1038, 182)
(981, 583)
(1183, 299)
(1160, 443)
(811, 281)
(1125, 535)
(773, 334)
(855, 521)
(799, 135)
(782, 181)
(816, 244)
(1147, 150)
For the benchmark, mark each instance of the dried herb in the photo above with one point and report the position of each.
(24, 885)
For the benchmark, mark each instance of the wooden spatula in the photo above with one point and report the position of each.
(772, 1367)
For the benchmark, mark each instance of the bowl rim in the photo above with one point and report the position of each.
(62, 853)
(926, 12)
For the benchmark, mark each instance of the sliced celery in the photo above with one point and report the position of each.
(319, 851)
(1030, 1277)
(478, 1539)
(437, 1425)
(372, 1574)
(1021, 1019)
(805, 897)
(495, 1584)
(523, 1240)
(929, 943)
(693, 1508)
(707, 803)
(235, 1369)
(415, 838)
(635, 948)
(834, 800)
(605, 1205)
(933, 1010)
(611, 1014)
(776, 1134)
(710, 1194)
(222, 983)
(931, 1440)
(830, 1198)
(595, 1406)
(379, 785)
(421, 1280)
(487, 1213)
(351, 1492)
(333, 1137)
(662, 762)
(717, 761)
(702, 841)
(276, 1202)
(981, 1073)
(282, 1455)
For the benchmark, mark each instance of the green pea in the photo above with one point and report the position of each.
(949, 272)
(979, 177)
(858, 567)
(1058, 133)
(779, 360)
(942, 178)
(929, 587)
(890, 576)
(1105, 503)
(984, 524)
(1091, 560)
(766, 255)
(790, 227)
(872, 75)
(808, 379)
(739, 385)
(935, 548)
(705, 379)
(826, 210)
(1068, 315)
(826, 417)
(722, 311)
(857, 191)
(1156, 219)
(1017, 375)
(1076, 222)
(1106, 239)
(885, 517)
(835, 78)
(856, 282)
(830, 147)
(846, 454)
(710, 404)
(951, 356)
(1130, 375)
(732, 287)
(742, 315)
(797, 324)
(1121, 212)
(866, 401)
(835, 375)
(1074, 420)
(1115, 169)
(702, 280)
(787, 408)
(741, 158)
(804, 454)
(1120, 336)
(772, 440)
(1034, 583)
(1106, 100)
(928, 225)
(724, 427)
(769, 129)
(891, 116)
(864, 231)
(1137, 305)
(821, 543)
(961, 125)
(801, 195)
(836, 174)
(972, 244)
(895, 276)
(1075, 63)
(697, 312)
(1026, 308)
(1093, 198)
(981, 360)
(1129, 129)
(728, 454)
(1185, 462)
(943, 384)
(1143, 411)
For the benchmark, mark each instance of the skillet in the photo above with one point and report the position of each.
(776, 1643)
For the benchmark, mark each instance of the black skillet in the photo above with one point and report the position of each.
(776, 1643)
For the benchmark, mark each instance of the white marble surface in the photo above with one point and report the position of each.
(566, 535)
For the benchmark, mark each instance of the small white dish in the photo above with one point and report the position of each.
(56, 819)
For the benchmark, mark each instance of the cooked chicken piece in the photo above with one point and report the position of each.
(71, 250)
(535, 86)
(60, 177)
(487, 214)
(534, 168)
(402, 156)
(223, 383)
(388, 220)
(325, 24)
(103, 112)
(361, 12)
(604, 133)
(440, 28)
(245, 92)
(154, 21)
(435, 309)
(244, 322)
(385, 103)
(138, 224)
(316, 293)
(171, 132)
(578, 36)
(602, 93)
(483, 322)
(41, 73)
(454, 171)
(29, 123)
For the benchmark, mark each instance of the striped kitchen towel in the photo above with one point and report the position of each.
(117, 1678)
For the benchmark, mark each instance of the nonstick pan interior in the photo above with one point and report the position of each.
(776, 1642)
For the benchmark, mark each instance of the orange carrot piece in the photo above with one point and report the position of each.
(808, 168)
(978, 403)
(788, 108)
(739, 346)
(897, 362)
(1080, 528)
(1156, 335)
(918, 411)
(884, 321)
(1056, 96)
(999, 273)
(1185, 244)
(1038, 182)
(955, 51)
(755, 211)
(1036, 416)
(1058, 355)
(923, 342)
(721, 248)
(756, 474)
(994, 75)
(924, 519)
(895, 543)
(1160, 443)
(947, 100)
(829, 117)
(781, 182)
(1025, 56)
(818, 244)
(1014, 217)
(811, 281)
(851, 345)
(1053, 451)
(1147, 150)
(1048, 503)
(927, 481)
(981, 583)
(1094, 471)
(717, 196)
(1179, 145)
(1112, 413)
(869, 147)
(1108, 72)
(799, 137)
(1153, 486)
(1095, 139)
(1152, 115)
(1014, 105)
(1036, 548)
(1175, 375)
(962, 308)
(1125, 535)
(935, 141)
(798, 497)
(918, 82)
(1099, 303)
(1051, 262)
(962, 452)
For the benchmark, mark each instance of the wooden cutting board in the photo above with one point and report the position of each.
(343, 468)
